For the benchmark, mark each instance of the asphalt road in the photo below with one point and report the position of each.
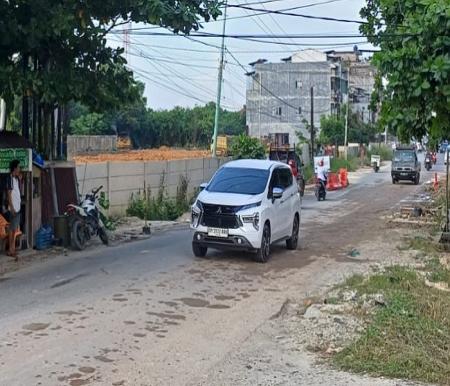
(149, 313)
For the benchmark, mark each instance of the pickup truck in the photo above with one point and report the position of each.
(289, 156)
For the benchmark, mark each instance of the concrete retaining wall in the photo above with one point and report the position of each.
(121, 179)
(85, 144)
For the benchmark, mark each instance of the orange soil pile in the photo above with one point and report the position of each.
(161, 154)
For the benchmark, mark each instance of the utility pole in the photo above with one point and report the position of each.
(219, 85)
(312, 124)
(346, 110)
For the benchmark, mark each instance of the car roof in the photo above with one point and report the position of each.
(254, 164)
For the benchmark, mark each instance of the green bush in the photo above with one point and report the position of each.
(160, 207)
(350, 164)
(308, 173)
(385, 152)
(244, 147)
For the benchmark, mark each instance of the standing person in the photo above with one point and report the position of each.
(14, 203)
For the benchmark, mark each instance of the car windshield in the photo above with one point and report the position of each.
(239, 181)
(404, 156)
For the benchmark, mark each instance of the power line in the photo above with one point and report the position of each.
(237, 51)
(193, 84)
(165, 86)
(262, 36)
(285, 13)
(172, 61)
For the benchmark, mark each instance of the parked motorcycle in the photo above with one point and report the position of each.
(428, 162)
(85, 222)
(320, 190)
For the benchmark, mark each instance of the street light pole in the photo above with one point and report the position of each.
(219, 85)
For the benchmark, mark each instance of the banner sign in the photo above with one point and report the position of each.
(326, 162)
(22, 155)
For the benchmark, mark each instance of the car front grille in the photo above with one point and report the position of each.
(220, 216)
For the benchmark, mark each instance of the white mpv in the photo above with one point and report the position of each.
(248, 205)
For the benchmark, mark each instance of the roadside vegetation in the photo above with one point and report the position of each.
(351, 164)
(385, 152)
(160, 207)
(409, 336)
(407, 332)
(244, 146)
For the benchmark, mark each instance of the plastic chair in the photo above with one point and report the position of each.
(4, 235)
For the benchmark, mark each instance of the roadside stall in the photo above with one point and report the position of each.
(24, 155)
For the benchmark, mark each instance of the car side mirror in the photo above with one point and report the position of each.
(203, 186)
(277, 193)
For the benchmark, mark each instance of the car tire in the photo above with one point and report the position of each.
(417, 180)
(199, 250)
(292, 242)
(263, 253)
(394, 181)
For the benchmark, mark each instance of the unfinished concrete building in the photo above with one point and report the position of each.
(361, 81)
(279, 95)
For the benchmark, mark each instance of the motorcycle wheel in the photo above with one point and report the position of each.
(78, 235)
(103, 236)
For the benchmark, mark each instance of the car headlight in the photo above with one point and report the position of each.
(250, 206)
(196, 213)
(252, 219)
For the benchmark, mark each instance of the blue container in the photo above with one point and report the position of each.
(44, 237)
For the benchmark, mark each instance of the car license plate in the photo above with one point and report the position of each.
(403, 174)
(218, 232)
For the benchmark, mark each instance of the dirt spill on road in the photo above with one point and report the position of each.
(218, 306)
(103, 359)
(170, 304)
(79, 382)
(167, 315)
(67, 313)
(36, 326)
(194, 302)
(86, 370)
(223, 297)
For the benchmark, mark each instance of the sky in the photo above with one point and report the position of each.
(180, 71)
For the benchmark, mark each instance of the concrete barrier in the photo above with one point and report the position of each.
(121, 179)
(85, 144)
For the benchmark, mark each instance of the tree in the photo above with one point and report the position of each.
(92, 124)
(414, 37)
(247, 147)
(57, 53)
(332, 129)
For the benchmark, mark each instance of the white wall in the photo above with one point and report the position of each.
(121, 179)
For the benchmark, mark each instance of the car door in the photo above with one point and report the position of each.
(275, 207)
(287, 201)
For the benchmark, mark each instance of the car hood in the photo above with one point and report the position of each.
(229, 199)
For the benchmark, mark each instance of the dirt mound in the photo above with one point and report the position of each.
(161, 154)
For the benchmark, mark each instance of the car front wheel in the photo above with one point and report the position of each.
(263, 253)
(199, 251)
(292, 242)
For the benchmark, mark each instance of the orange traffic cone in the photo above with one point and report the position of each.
(333, 182)
(343, 177)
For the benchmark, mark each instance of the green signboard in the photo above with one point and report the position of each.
(23, 155)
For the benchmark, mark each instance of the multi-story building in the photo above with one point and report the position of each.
(280, 96)
(361, 81)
